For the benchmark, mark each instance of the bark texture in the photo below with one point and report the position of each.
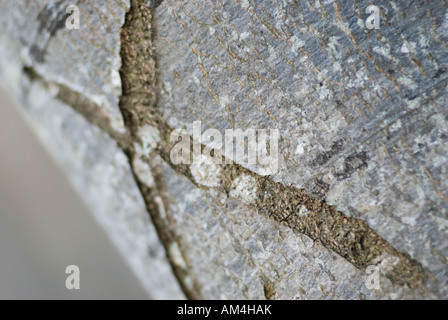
(363, 123)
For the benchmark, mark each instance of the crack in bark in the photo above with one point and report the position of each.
(138, 97)
(349, 237)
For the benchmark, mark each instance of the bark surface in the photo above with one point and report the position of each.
(363, 122)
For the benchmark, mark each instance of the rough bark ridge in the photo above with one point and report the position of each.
(362, 118)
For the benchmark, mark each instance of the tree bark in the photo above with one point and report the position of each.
(362, 120)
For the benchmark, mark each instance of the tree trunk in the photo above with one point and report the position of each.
(362, 120)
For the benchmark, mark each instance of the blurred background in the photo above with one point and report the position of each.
(45, 227)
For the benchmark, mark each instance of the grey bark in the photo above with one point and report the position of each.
(363, 128)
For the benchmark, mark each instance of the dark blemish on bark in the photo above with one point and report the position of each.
(51, 19)
(439, 72)
(153, 3)
(319, 188)
(31, 73)
(352, 163)
(323, 158)
(37, 53)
